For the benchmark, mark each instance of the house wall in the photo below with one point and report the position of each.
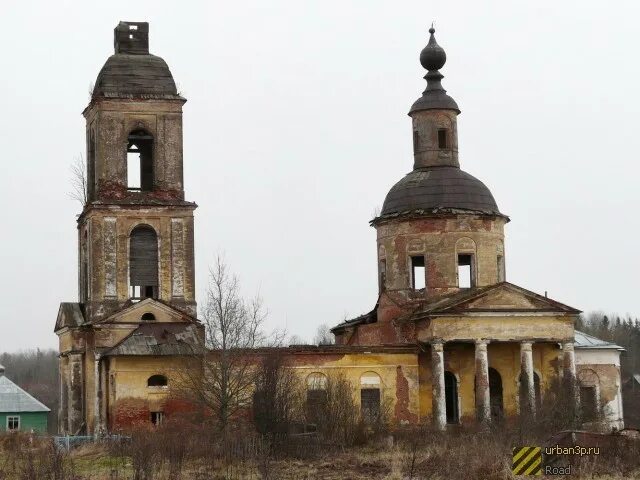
(36, 421)
(601, 368)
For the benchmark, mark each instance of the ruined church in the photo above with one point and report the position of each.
(448, 341)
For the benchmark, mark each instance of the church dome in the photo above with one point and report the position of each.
(134, 75)
(132, 71)
(439, 189)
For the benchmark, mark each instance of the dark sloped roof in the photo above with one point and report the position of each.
(159, 339)
(131, 75)
(439, 189)
(69, 315)
(434, 100)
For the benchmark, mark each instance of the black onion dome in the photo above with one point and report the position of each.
(135, 75)
(439, 190)
(433, 58)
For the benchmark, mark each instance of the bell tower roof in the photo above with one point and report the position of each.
(132, 71)
(433, 58)
(436, 185)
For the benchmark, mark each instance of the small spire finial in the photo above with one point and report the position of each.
(432, 30)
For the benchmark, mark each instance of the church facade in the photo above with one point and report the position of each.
(449, 340)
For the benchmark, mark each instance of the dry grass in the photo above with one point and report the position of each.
(414, 454)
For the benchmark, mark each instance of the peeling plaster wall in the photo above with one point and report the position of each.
(601, 368)
(131, 401)
(109, 249)
(439, 239)
(398, 374)
(110, 121)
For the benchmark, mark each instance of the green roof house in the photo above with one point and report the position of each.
(19, 410)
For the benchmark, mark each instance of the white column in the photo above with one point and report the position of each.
(438, 399)
(569, 374)
(528, 400)
(483, 405)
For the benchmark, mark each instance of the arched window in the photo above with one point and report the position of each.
(143, 263)
(140, 161)
(157, 381)
(451, 397)
(370, 397)
(148, 316)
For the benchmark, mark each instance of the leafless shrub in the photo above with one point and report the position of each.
(277, 398)
(79, 183)
(324, 335)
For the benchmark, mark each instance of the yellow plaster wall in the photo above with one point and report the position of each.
(393, 368)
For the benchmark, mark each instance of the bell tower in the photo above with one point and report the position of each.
(136, 230)
(135, 239)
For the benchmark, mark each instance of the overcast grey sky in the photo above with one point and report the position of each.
(296, 128)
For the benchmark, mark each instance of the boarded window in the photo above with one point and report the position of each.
(370, 404)
(418, 273)
(442, 138)
(157, 418)
(370, 397)
(157, 381)
(316, 397)
(465, 271)
(13, 422)
(143, 262)
(140, 161)
(589, 402)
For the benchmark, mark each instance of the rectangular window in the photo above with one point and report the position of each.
(157, 418)
(13, 423)
(418, 273)
(442, 138)
(465, 271)
(370, 404)
(589, 402)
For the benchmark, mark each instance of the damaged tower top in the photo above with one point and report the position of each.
(132, 72)
(131, 38)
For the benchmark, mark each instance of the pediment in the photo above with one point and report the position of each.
(69, 315)
(502, 297)
(149, 310)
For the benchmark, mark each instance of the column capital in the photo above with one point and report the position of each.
(567, 346)
(526, 345)
(481, 342)
(437, 345)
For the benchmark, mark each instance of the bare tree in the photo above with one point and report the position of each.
(324, 335)
(222, 378)
(79, 181)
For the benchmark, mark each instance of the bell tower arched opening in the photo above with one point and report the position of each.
(140, 161)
